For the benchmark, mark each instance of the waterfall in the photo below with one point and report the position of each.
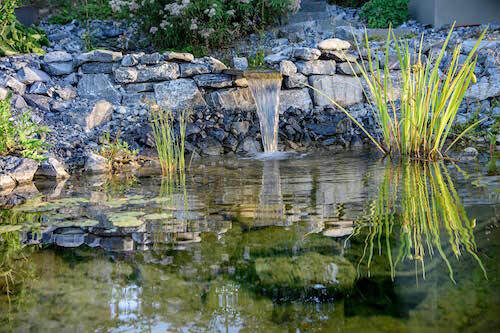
(265, 88)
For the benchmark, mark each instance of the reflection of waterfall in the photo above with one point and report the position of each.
(270, 208)
(265, 88)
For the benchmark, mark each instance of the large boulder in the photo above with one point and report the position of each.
(316, 67)
(51, 168)
(57, 56)
(98, 86)
(165, 71)
(306, 53)
(29, 75)
(344, 90)
(6, 182)
(178, 95)
(96, 164)
(287, 68)
(295, 80)
(291, 277)
(298, 99)
(101, 113)
(58, 68)
(486, 87)
(22, 170)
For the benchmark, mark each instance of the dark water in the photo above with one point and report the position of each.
(310, 243)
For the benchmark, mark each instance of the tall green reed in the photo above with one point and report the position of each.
(427, 218)
(169, 143)
(429, 98)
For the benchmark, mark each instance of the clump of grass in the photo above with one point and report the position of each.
(429, 100)
(117, 152)
(492, 164)
(169, 143)
(21, 136)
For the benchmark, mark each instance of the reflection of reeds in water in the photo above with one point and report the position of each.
(427, 213)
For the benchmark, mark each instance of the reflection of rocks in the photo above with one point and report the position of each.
(288, 277)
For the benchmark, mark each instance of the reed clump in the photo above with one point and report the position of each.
(169, 143)
(419, 125)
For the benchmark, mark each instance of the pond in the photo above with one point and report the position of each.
(306, 243)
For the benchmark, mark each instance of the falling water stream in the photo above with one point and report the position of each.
(265, 88)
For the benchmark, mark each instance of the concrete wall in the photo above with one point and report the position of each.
(464, 12)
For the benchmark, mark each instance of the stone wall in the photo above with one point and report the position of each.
(82, 95)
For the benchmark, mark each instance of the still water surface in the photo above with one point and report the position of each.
(307, 243)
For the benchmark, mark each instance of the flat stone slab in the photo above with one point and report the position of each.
(177, 95)
(344, 90)
(98, 86)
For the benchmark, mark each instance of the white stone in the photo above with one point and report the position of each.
(334, 44)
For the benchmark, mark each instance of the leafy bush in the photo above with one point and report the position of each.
(203, 23)
(21, 136)
(116, 151)
(16, 38)
(382, 13)
(81, 10)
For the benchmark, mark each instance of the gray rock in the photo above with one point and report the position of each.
(344, 90)
(129, 60)
(125, 74)
(51, 168)
(71, 239)
(232, 99)
(58, 68)
(22, 170)
(190, 69)
(178, 95)
(468, 45)
(29, 75)
(486, 87)
(38, 88)
(19, 102)
(177, 56)
(6, 182)
(348, 69)
(4, 93)
(316, 67)
(139, 99)
(241, 82)
(274, 59)
(58, 106)
(249, 146)
(287, 68)
(348, 33)
(216, 66)
(57, 56)
(98, 86)
(306, 53)
(66, 93)
(150, 59)
(139, 87)
(98, 56)
(70, 79)
(16, 86)
(38, 101)
(295, 81)
(97, 68)
(334, 44)
(166, 71)
(240, 128)
(240, 63)
(298, 99)
(213, 80)
(339, 56)
(96, 164)
(101, 112)
(211, 147)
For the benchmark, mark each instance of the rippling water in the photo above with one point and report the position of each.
(300, 243)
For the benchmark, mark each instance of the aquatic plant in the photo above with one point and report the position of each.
(116, 152)
(427, 213)
(429, 100)
(169, 144)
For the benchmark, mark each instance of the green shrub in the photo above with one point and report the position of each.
(116, 151)
(81, 10)
(21, 136)
(382, 13)
(202, 23)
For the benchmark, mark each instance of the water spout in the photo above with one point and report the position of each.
(265, 88)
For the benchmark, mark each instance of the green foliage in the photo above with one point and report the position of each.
(383, 13)
(16, 38)
(81, 10)
(202, 23)
(168, 143)
(429, 101)
(348, 3)
(21, 136)
(116, 151)
(256, 60)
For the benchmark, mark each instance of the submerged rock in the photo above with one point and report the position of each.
(286, 277)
